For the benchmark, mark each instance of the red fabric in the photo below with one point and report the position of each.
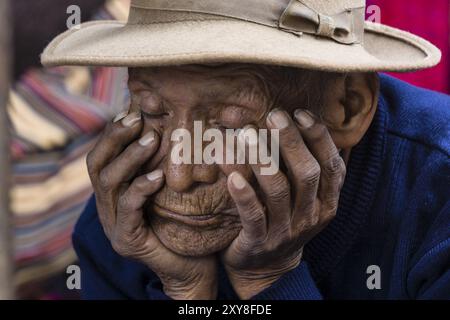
(430, 20)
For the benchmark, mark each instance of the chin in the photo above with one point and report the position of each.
(195, 241)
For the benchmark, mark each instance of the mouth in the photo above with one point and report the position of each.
(205, 220)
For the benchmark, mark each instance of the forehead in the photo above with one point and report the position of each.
(210, 81)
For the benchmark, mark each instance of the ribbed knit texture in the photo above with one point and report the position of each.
(357, 195)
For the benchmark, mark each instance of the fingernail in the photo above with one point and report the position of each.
(304, 119)
(238, 181)
(278, 119)
(120, 116)
(155, 175)
(131, 119)
(147, 138)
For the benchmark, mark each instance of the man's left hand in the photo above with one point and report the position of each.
(291, 209)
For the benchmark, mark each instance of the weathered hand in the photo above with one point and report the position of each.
(113, 164)
(291, 210)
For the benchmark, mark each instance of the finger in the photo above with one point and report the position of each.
(321, 145)
(115, 137)
(112, 179)
(130, 204)
(126, 165)
(274, 186)
(276, 192)
(304, 170)
(251, 212)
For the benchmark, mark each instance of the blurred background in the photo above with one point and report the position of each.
(53, 116)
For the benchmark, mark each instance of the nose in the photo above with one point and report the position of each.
(182, 176)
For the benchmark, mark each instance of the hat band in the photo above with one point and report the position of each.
(346, 26)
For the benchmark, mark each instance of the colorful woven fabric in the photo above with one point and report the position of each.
(55, 116)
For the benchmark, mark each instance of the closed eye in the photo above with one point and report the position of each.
(223, 126)
(154, 115)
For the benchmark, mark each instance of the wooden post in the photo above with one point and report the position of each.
(6, 253)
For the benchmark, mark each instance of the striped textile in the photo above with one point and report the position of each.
(55, 116)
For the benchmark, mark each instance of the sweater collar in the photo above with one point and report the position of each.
(324, 252)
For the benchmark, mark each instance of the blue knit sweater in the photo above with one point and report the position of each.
(389, 240)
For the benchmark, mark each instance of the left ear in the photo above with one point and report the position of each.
(350, 106)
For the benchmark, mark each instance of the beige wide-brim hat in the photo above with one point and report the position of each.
(328, 35)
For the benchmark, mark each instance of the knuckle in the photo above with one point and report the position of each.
(310, 223)
(311, 175)
(291, 140)
(335, 166)
(332, 202)
(279, 189)
(104, 181)
(279, 196)
(332, 198)
(258, 244)
(254, 214)
(124, 203)
(247, 243)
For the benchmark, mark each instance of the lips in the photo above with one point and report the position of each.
(201, 220)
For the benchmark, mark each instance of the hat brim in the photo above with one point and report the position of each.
(111, 43)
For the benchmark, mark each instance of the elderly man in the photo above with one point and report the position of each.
(359, 207)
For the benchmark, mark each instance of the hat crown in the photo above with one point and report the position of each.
(322, 6)
(331, 7)
(339, 20)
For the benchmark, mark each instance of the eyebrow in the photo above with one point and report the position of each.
(238, 92)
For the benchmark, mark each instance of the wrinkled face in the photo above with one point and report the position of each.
(193, 213)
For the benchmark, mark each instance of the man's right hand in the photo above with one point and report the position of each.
(120, 196)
